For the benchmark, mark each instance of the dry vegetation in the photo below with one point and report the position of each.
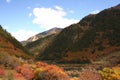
(44, 71)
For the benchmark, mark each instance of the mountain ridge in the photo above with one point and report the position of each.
(42, 35)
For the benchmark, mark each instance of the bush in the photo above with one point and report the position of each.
(41, 71)
(41, 64)
(110, 74)
(2, 72)
(26, 71)
(50, 72)
(18, 76)
(88, 74)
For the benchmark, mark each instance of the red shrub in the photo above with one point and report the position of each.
(26, 71)
(42, 71)
(26, 66)
(50, 72)
(18, 75)
(18, 69)
(41, 64)
(2, 72)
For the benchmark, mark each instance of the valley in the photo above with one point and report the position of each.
(87, 50)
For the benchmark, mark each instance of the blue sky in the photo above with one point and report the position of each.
(25, 18)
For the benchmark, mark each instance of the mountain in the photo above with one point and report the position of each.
(39, 42)
(12, 52)
(93, 37)
(39, 45)
(42, 35)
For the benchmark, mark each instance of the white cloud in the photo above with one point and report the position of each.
(51, 17)
(8, 1)
(58, 8)
(30, 14)
(23, 34)
(95, 12)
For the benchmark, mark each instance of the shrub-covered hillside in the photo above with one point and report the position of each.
(11, 51)
(94, 36)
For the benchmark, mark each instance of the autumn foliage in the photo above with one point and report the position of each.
(44, 71)
(26, 71)
(2, 72)
(18, 76)
(41, 71)
(110, 73)
(89, 74)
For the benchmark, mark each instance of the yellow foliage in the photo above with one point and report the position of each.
(33, 67)
(49, 72)
(110, 74)
(38, 70)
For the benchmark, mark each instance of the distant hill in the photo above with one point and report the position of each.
(42, 35)
(39, 45)
(11, 51)
(93, 37)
